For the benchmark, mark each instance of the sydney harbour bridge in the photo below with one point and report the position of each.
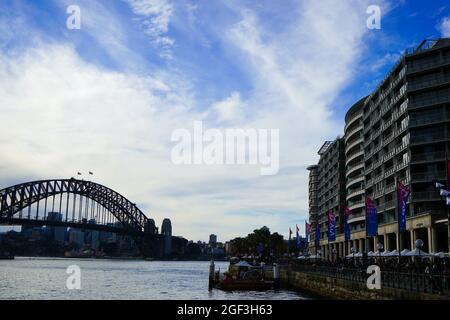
(81, 204)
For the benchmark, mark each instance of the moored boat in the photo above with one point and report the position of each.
(243, 276)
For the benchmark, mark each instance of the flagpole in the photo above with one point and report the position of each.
(448, 207)
(399, 239)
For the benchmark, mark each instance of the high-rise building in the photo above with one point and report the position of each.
(327, 180)
(212, 239)
(400, 132)
(166, 231)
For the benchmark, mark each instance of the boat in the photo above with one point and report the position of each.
(242, 276)
(229, 283)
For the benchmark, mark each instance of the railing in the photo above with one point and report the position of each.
(439, 155)
(416, 282)
(428, 176)
(428, 138)
(422, 84)
(430, 100)
(428, 64)
(426, 195)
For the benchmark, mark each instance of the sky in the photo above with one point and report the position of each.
(108, 96)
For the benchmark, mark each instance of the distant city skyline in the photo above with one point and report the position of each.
(107, 97)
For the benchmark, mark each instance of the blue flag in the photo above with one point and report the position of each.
(346, 225)
(298, 239)
(371, 218)
(331, 226)
(317, 234)
(403, 195)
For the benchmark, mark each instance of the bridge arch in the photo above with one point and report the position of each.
(16, 198)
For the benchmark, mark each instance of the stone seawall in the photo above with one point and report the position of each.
(332, 288)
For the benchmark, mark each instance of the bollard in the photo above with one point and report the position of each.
(211, 275)
(276, 276)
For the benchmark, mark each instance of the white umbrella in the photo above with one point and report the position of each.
(404, 252)
(358, 255)
(393, 253)
(301, 258)
(385, 253)
(416, 253)
(442, 255)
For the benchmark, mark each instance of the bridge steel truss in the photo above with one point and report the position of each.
(18, 197)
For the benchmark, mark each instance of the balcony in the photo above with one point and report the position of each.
(401, 147)
(355, 192)
(354, 168)
(424, 84)
(352, 205)
(368, 169)
(356, 117)
(429, 100)
(386, 125)
(353, 144)
(427, 138)
(354, 181)
(402, 165)
(428, 176)
(431, 156)
(387, 206)
(389, 171)
(389, 155)
(429, 119)
(428, 65)
(388, 139)
(400, 111)
(389, 188)
(353, 156)
(427, 195)
(350, 133)
(378, 163)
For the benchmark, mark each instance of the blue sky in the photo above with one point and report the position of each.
(107, 97)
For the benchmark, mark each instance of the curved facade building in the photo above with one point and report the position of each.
(400, 133)
(354, 174)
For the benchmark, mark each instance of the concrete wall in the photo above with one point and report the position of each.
(331, 288)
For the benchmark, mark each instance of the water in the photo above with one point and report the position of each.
(45, 278)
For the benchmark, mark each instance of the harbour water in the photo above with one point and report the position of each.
(45, 278)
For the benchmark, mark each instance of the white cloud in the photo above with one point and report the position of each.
(61, 115)
(155, 18)
(229, 110)
(444, 27)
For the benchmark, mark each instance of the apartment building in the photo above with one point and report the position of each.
(400, 132)
(330, 190)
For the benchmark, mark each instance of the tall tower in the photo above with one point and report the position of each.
(166, 231)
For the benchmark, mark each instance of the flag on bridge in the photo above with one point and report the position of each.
(371, 218)
(331, 226)
(346, 225)
(402, 196)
